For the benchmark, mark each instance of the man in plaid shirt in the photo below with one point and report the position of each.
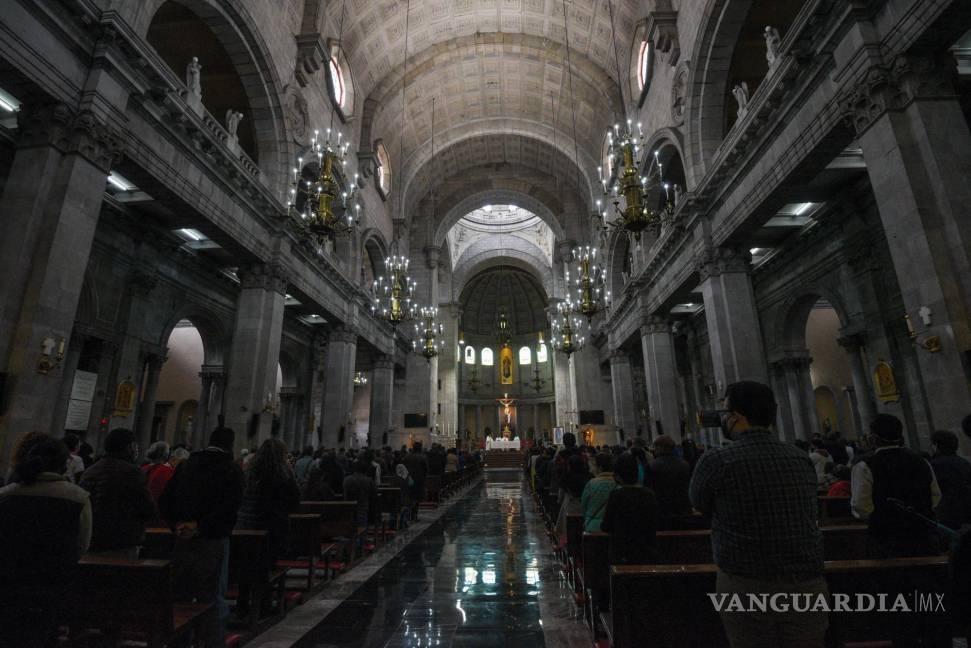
(761, 494)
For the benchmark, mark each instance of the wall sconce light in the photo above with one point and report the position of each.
(931, 343)
(51, 354)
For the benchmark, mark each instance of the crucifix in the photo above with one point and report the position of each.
(505, 401)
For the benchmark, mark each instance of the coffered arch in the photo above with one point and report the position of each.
(497, 196)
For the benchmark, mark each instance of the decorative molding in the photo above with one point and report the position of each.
(712, 261)
(342, 334)
(662, 31)
(81, 133)
(265, 276)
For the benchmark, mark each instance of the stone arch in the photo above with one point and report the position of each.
(671, 143)
(240, 36)
(212, 330)
(480, 257)
(789, 330)
(375, 249)
(290, 367)
(87, 311)
(618, 253)
(496, 197)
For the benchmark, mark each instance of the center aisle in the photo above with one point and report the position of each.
(482, 575)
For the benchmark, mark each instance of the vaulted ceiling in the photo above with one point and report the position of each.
(517, 292)
(498, 74)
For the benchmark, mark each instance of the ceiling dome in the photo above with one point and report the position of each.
(517, 291)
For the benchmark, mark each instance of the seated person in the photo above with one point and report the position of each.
(840, 486)
(630, 517)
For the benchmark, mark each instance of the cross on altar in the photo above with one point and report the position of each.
(505, 401)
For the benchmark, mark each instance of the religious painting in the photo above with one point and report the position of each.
(885, 383)
(124, 398)
(505, 366)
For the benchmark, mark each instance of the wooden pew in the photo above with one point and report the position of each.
(250, 564)
(338, 525)
(305, 551)
(668, 605)
(132, 598)
(389, 503)
(835, 510)
(574, 553)
(687, 548)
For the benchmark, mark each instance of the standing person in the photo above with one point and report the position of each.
(668, 477)
(270, 494)
(45, 528)
(884, 480)
(200, 505)
(120, 501)
(417, 465)
(452, 460)
(761, 494)
(571, 491)
(593, 501)
(630, 517)
(359, 487)
(75, 464)
(954, 478)
(158, 471)
(301, 467)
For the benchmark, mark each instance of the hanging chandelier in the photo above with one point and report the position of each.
(393, 293)
(360, 379)
(591, 296)
(629, 191)
(503, 329)
(428, 333)
(318, 203)
(566, 334)
(537, 382)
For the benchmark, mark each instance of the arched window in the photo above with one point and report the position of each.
(525, 356)
(337, 81)
(643, 64)
(384, 170)
(469, 355)
(542, 355)
(487, 359)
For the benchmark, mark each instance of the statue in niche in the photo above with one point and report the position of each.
(678, 192)
(232, 122)
(773, 43)
(740, 92)
(192, 74)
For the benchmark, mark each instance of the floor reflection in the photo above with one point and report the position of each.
(472, 579)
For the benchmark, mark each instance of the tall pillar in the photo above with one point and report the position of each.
(104, 394)
(622, 385)
(802, 401)
(448, 369)
(255, 354)
(49, 209)
(862, 393)
(146, 410)
(785, 425)
(338, 387)
(201, 427)
(661, 371)
(562, 382)
(917, 148)
(733, 323)
(382, 391)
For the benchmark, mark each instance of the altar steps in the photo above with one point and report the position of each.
(503, 459)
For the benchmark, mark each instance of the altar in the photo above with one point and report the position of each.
(503, 444)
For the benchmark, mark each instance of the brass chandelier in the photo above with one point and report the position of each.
(321, 207)
(503, 329)
(629, 191)
(566, 334)
(428, 334)
(393, 293)
(590, 296)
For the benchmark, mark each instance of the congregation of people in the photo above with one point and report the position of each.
(61, 503)
(760, 496)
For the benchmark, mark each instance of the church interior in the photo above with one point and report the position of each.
(376, 237)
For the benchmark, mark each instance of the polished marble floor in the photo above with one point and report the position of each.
(480, 576)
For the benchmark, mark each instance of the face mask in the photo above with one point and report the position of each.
(727, 420)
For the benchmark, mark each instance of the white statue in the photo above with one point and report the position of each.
(192, 71)
(773, 42)
(678, 192)
(740, 92)
(232, 122)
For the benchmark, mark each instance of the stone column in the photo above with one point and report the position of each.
(562, 382)
(622, 385)
(785, 426)
(104, 395)
(146, 409)
(802, 401)
(862, 393)
(49, 209)
(733, 323)
(285, 415)
(448, 369)
(201, 426)
(338, 387)
(382, 392)
(661, 371)
(255, 354)
(917, 148)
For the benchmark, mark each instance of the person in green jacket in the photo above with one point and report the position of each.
(593, 502)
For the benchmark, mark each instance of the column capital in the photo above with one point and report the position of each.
(792, 362)
(432, 254)
(142, 281)
(654, 324)
(886, 88)
(156, 360)
(619, 356)
(268, 276)
(564, 250)
(852, 342)
(57, 124)
(715, 261)
(383, 362)
(343, 334)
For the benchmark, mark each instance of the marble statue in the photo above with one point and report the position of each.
(678, 193)
(773, 42)
(192, 72)
(232, 122)
(740, 92)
